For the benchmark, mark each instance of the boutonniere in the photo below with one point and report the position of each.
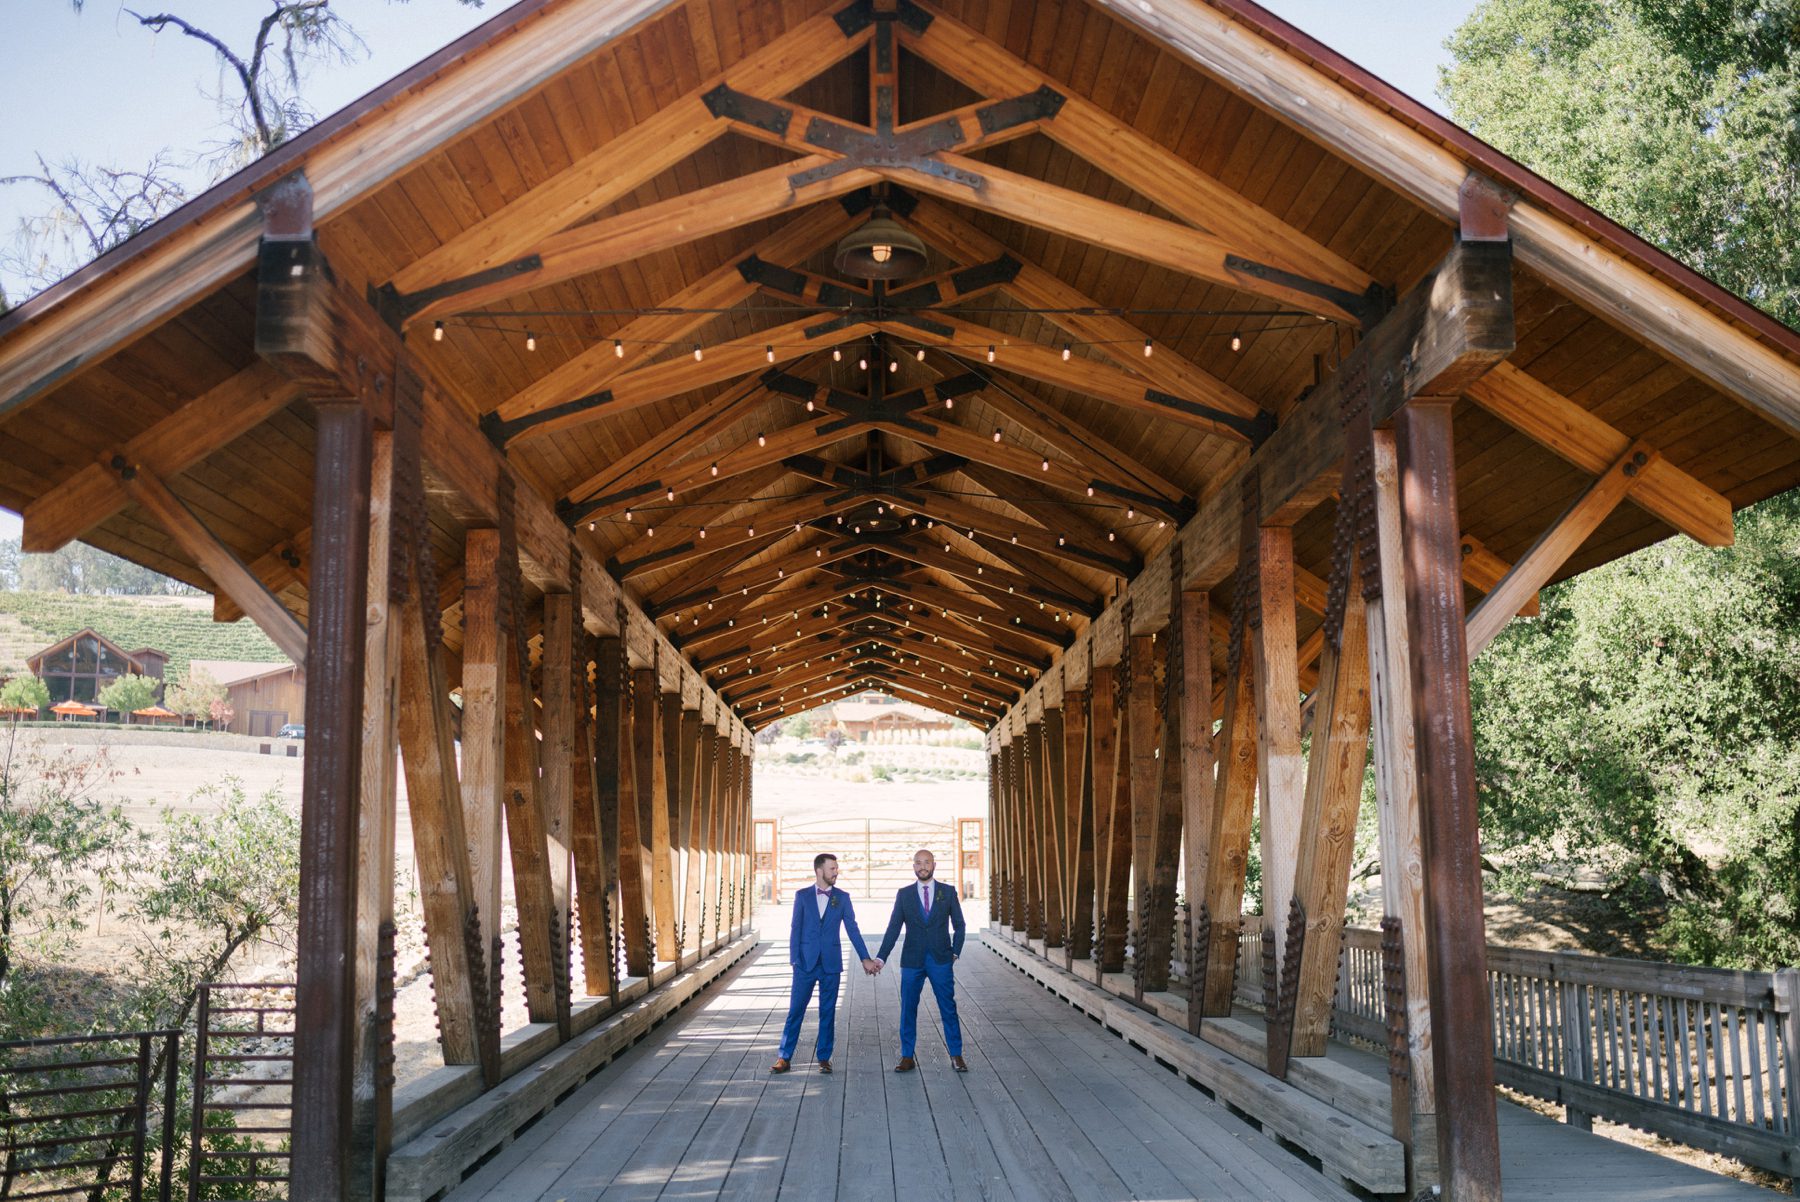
(832, 902)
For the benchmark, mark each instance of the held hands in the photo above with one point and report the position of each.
(871, 966)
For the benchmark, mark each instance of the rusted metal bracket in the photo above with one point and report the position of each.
(500, 432)
(397, 308)
(1256, 429)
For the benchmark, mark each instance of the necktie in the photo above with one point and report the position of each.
(925, 895)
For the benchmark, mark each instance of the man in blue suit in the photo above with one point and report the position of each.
(821, 910)
(929, 911)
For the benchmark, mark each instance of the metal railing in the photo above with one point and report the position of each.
(77, 1109)
(235, 1031)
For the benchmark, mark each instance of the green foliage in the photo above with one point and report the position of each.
(219, 878)
(59, 846)
(1648, 724)
(128, 693)
(196, 696)
(798, 727)
(1675, 117)
(183, 630)
(23, 692)
(79, 568)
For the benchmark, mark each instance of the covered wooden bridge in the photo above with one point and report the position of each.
(633, 373)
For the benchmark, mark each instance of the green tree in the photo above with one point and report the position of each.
(194, 696)
(1677, 118)
(128, 693)
(24, 691)
(59, 844)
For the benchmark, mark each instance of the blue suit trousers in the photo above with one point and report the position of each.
(801, 997)
(942, 975)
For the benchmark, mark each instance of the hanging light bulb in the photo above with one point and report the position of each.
(530, 341)
(670, 494)
(769, 353)
(761, 439)
(1130, 512)
(697, 354)
(650, 532)
(1147, 348)
(862, 363)
(919, 354)
(1110, 536)
(1044, 466)
(437, 331)
(1060, 540)
(703, 532)
(618, 349)
(893, 366)
(752, 532)
(1065, 352)
(715, 469)
(628, 515)
(990, 352)
(809, 404)
(590, 525)
(996, 436)
(949, 402)
(1237, 342)
(837, 354)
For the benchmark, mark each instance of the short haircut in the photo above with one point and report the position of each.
(819, 860)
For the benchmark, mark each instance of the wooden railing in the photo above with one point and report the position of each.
(1706, 1057)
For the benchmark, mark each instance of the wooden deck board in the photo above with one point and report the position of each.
(1054, 1107)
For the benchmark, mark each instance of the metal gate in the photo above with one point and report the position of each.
(874, 854)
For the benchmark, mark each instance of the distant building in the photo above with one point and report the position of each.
(79, 667)
(264, 697)
(887, 721)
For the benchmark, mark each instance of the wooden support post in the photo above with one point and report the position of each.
(557, 784)
(695, 764)
(1012, 790)
(715, 836)
(461, 962)
(673, 745)
(653, 807)
(634, 824)
(1053, 814)
(1413, 1103)
(595, 854)
(1078, 826)
(1032, 795)
(1334, 784)
(1468, 1136)
(744, 832)
(325, 1017)
(484, 733)
(1149, 954)
(1196, 756)
(527, 836)
(996, 848)
(372, 1104)
(1234, 790)
(1112, 820)
(1280, 770)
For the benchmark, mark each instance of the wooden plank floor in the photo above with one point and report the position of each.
(1053, 1108)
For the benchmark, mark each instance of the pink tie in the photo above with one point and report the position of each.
(927, 901)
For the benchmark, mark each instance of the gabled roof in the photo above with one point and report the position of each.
(580, 178)
(230, 672)
(129, 659)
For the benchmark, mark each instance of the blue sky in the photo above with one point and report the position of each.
(96, 86)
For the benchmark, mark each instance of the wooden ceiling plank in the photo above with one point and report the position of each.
(1132, 157)
(662, 225)
(612, 172)
(172, 446)
(1588, 442)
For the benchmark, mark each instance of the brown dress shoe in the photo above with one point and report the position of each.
(780, 1065)
(956, 1062)
(824, 1066)
(905, 1065)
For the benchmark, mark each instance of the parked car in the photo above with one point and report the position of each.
(293, 730)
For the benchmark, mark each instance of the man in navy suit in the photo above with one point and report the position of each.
(821, 910)
(929, 911)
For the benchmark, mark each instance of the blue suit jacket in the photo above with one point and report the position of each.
(926, 934)
(813, 943)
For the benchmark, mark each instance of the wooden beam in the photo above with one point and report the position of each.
(556, 788)
(325, 1000)
(281, 567)
(1555, 545)
(653, 807)
(1327, 836)
(1131, 157)
(1150, 239)
(1228, 844)
(661, 225)
(1587, 441)
(218, 561)
(1112, 818)
(1078, 826)
(209, 422)
(674, 132)
(1468, 1135)
(1483, 569)
(1280, 770)
(484, 726)
(1053, 811)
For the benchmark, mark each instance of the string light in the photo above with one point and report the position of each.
(761, 440)
(769, 353)
(893, 366)
(1110, 536)
(1237, 342)
(1130, 512)
(437, 331)
(530, 341)
(670, 494)
(949, 402)
(698, 354)
(919, 354)
(809, 404)
(996, 436)
(618, 349)
(1090, 490)
(1044, 466)
(837, 354)
(1147, 348)
(715, 469)
(628, 515)
(1065, 352)
(862, 363)
(990, 352)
